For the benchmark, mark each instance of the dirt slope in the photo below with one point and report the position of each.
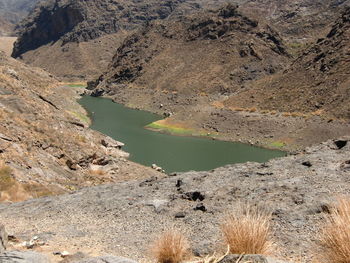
(45, 145)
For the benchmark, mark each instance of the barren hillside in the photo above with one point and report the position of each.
(83, 35)
(210, 52)
(318, 80)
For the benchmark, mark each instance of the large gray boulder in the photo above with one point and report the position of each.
(23, 257)
(107, 259)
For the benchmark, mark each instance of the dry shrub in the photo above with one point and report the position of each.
(171, 247)
(10, 189)
(335, 236)
(248, 231)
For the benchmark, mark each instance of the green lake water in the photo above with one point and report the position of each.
(172, 153)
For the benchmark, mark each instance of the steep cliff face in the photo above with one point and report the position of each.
(316, 81)
(52, 22)
(211, 52)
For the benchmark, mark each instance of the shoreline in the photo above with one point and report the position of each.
(278, 131)
(181, 130)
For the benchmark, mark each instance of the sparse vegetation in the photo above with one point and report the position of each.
(6, 181)
(335, 237)
(171, 247)
(80, 116)
(247, 231)
(172, 128)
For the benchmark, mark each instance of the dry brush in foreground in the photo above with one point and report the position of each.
(248, 231)
(171, 247)
(335, 235)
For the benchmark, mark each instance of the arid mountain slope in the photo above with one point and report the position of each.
(210, 52)
(299, 21)
(13, 11)
(45, 145)
(61, 27)
(6, 28)
(317, 81)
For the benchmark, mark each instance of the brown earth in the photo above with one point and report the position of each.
(45, 144)
(6, 44)
(6, 28)
(75, 61)
(298, 21)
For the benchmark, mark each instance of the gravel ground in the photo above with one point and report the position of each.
(122, 219)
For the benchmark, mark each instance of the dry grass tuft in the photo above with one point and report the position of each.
(248, 231)
(171, 247)
(335, 236)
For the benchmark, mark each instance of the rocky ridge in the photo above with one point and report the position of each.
(123, 218)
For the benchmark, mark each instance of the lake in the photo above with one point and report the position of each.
(172, 153)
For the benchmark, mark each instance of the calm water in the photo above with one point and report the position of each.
(172, 153)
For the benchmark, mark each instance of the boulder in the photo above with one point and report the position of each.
(107, 259)
(111, 143)
(23, 257)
